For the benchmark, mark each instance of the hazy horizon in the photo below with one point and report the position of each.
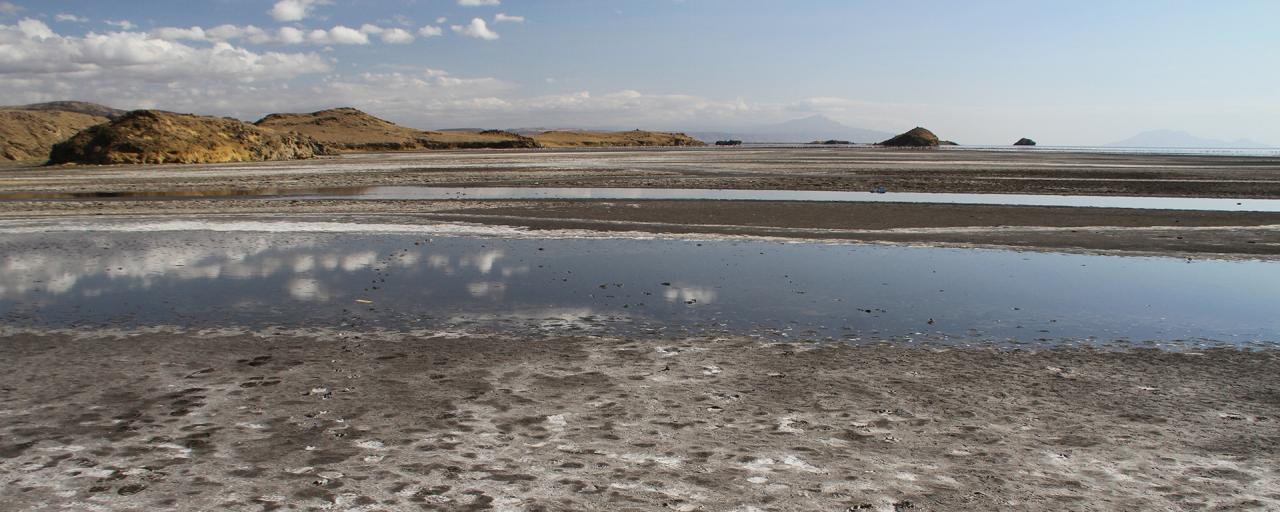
(1081, 74)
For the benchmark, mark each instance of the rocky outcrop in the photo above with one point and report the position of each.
(831, 142)
(1024, 142)
(157, 137)
(349, 129)
(915, 138)
(577, 138)
(29, 135)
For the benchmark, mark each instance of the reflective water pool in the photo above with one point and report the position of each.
(400, 279)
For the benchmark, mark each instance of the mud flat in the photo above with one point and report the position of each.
(856, 169)
(362, 421)
(1119, 230)
(1089, 230)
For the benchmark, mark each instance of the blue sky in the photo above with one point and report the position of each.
(974, 72)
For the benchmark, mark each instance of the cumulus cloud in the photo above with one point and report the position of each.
(283, 35)
(180, 34)
(9, 8)
(502, 17)
(397, 36)
(337, 35)
(62, 16)
(294, 10)
(477, 29)
(388, 35)
(478, 3)
(430, 31)
(31, 48)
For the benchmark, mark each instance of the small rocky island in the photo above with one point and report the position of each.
(1024, 142)
(915, 138)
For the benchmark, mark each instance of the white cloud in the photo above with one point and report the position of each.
(478, 3)
(294, 10)
(388, 35)
(179, 34)
(502, 17)
(283, 35)
(441, 20)
(290, 35)
(9, 8)
(430, 31)
(397, 36)
(477, 28)
(337, 35)
(64, 17)
(31, 48)
(121, 24)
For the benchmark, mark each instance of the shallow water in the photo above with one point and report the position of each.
(623, 287)
(552, 193)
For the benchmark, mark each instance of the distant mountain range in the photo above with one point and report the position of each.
(1180, 139)
(808, 129)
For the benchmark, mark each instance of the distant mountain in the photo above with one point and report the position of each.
(79, 107)
(808, 129)
(349, 129)
(1180, 139)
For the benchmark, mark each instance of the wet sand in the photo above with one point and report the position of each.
(238, 421)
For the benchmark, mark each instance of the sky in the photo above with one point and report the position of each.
(981, 72)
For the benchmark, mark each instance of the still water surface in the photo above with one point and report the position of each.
(626, 287)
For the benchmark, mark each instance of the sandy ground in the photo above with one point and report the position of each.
(266, 421)
(814, 168)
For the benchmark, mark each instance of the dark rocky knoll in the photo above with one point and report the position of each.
(158, 137)
(915, 138)
(1024, 142)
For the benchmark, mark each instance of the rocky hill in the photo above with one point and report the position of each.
(28, 135)
(157, 137)
(1024, 142)
(349, 129)
(79, 107)
(575, 138)
(915, 138)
